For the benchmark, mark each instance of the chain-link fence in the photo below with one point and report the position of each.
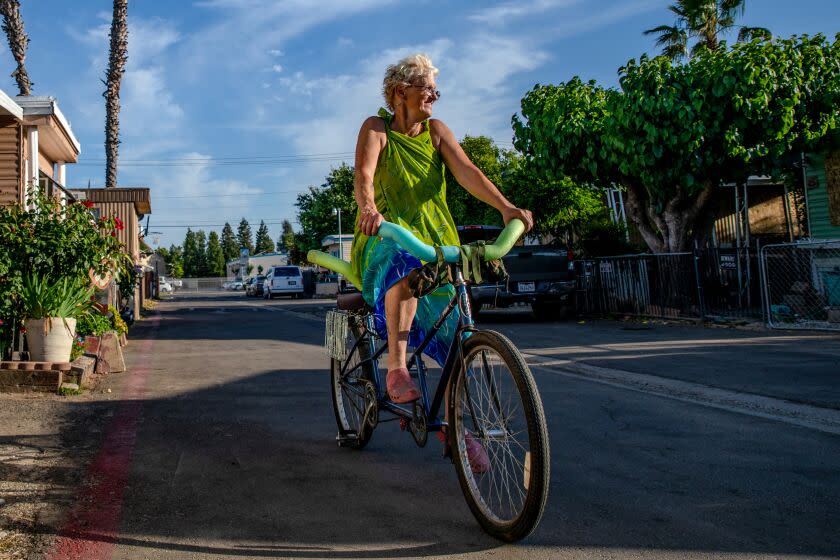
(199, 284)
(801, 284)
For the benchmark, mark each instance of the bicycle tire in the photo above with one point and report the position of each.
(494, 432)
(346, 404)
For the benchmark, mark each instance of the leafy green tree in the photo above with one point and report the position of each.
(190, 259)
(244, 236)
(201, 266)
(703, 21)
(465, 208)
(215, 256)
(175, 262)
(230, 247)
(673, 133)
(292, 243)
(315, 208)
(286, 241)
(561, 208)
(264, 242)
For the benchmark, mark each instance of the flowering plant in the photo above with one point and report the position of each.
(78, 348)
(48, 238)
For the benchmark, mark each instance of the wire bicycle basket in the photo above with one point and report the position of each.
(335, 337)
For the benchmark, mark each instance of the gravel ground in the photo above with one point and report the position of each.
(45, 442)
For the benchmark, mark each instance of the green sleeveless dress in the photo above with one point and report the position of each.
(410, 190)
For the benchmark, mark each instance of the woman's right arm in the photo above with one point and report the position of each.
(368, 147)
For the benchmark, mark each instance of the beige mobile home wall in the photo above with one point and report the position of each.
(10, 158)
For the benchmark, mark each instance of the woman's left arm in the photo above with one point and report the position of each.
(471, 177)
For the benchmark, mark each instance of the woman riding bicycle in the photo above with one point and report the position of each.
(400, 162)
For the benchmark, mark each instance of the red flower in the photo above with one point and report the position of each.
(22, 330)
(118, 223)
(113, 234)
(88, 204)
(1, 322)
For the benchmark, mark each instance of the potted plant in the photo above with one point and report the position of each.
(51, 308)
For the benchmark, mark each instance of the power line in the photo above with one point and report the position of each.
(236, 160)
(211, 195)
(232, 160)
(200, 225)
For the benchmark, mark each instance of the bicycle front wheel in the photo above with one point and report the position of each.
(494, 403)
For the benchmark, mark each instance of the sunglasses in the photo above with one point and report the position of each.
(429, 90)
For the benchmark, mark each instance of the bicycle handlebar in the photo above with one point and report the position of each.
(421, 250)
(426, 253)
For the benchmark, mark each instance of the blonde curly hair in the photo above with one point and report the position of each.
(405, 73)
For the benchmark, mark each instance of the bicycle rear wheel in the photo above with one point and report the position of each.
(496, 403)
(354, 393)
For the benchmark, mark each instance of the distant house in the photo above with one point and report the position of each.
(338, 245)
(129, 204)
(36, 143)
(761, 212)
(264, 260)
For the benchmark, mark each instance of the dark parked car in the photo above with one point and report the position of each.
(254, 287)
(541, 275)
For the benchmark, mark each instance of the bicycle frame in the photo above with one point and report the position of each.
(431, 408)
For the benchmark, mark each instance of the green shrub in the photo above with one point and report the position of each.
(116, 321)
(93, 324)
(42, 297)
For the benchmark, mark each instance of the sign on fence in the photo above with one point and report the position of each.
(728, 262)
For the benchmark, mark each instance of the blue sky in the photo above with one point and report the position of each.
(231, 107)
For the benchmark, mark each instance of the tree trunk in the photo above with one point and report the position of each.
(670, 229)
(116, 69)
(18, 42)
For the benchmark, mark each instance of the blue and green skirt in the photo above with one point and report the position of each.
(385, 264)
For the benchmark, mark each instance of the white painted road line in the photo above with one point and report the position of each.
(813, 417)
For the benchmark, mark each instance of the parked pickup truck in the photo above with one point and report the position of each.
(541, 275)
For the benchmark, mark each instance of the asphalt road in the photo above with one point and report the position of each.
(233, 452)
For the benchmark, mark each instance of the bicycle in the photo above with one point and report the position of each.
(492, 394)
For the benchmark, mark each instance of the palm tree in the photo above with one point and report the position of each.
(18, 42)
(116, 69)
(704, 21)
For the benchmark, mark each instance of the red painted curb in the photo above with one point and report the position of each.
(91, 528)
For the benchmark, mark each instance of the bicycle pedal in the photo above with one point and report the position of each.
(347, 440)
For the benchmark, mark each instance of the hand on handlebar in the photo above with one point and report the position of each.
(525, 215)
(369, 220)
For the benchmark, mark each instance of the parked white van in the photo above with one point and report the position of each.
(283, 280)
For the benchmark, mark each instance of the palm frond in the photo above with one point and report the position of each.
(733, 6)
(674, 52)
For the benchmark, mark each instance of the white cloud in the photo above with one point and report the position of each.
(476, 96)
(596, 20)
(202, 197)
(277, 68)
(250, 29)
(275, 52)
(502, 14)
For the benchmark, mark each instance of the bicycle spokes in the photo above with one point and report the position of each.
(496, 405)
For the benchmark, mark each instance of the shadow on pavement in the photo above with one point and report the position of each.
(252, 461)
